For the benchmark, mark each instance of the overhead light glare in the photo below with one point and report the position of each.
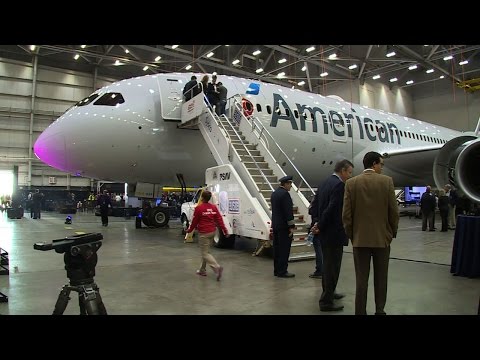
(210, 54)
(390, 54)
(145, 68)
(442, 76)
(351, 67)
(464, 62)
(409, 82)
(76, 56)
(117, 62)
(83, 46)
(311, 48)
(32, 47)
(449, 57)
(256, 52)
(281, 61)
(235, 62)
(188, 67)
(158, 58)
(126, 51)
(258, 71)
(393, 79)
(332, 56)
(304, 68)
(376, 77)
(301, 83)
(413, 67)
(323, 74)
(429, 71)
(281, 75)
(174, 46)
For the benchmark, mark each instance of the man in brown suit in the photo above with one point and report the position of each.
(370, 217)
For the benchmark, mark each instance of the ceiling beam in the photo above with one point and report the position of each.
(364, 62)
(324, 64)
(421, 60)
(205, 62)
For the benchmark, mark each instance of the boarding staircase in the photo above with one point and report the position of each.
(259, 160)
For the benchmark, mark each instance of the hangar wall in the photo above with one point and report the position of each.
(447, 105)
(439, 102)
(54, 90)
(374, 95)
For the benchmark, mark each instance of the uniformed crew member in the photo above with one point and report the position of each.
(282, 225)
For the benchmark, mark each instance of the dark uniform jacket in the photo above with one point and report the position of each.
(329, 212)
(188, 86)
(282, 210)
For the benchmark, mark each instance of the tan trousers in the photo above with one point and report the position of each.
(451, 216)
(204, 242)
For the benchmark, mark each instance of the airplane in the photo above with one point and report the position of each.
(129, 131)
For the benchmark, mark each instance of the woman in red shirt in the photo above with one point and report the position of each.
(206, 218)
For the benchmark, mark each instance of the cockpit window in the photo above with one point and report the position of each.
(110, 99)
(87, 100)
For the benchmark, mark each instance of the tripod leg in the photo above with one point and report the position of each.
(101, 306)
(62, 301)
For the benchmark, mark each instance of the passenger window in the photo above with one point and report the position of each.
(259, 107)
(269, 109)
(110, 99)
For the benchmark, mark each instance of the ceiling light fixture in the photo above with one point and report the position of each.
(375, 77)
(281, 61)
(76, 56)
(188, 67)
(429, 71)
(311, 48)
(256, 52)
(235, 62)
(413, 67)
(464, 62)
(145, 68)
(324, 74)
(158, 58)
(258, 71)
(351, 67)
(301, 83)
(174, 46)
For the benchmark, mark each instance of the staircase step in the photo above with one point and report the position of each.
(302, 256)
(253, 165)
(243, 152)
(257, 158)
(239, 146)
(255, 171)
(264, 186)
(298, 217)
(271, 178)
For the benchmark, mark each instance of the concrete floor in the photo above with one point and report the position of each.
(152, 271)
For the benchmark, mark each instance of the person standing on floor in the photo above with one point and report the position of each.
(104, 202)
(370, 218)
(443, 203)
(206, 218)
(331, 234)
(282, 225)
(428, 203)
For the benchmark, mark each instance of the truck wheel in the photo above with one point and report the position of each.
(185, 224)
(223, 242)
(159, 217)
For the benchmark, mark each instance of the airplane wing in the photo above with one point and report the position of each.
(409, 151)
(412, 166)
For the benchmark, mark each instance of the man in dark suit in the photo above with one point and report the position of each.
(370, 218)
(191, 88)
(331, 236)
(428, 203)
(282, 225)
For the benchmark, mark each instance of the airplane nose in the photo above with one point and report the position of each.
(50, 148)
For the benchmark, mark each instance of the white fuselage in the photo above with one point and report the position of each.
(138, 140)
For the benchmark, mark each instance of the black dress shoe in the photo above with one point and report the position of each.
(331, 307)
(338, 296)
(286, 275)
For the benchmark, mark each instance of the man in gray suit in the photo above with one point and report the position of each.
(370, 218)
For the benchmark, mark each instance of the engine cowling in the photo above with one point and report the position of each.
(458, 163)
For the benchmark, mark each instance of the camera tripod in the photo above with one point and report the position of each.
(80, 264)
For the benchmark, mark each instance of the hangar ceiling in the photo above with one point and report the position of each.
(308, 67)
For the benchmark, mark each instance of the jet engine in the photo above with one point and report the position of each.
(458, 163)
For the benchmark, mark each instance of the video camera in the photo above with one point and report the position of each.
(70, 243)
